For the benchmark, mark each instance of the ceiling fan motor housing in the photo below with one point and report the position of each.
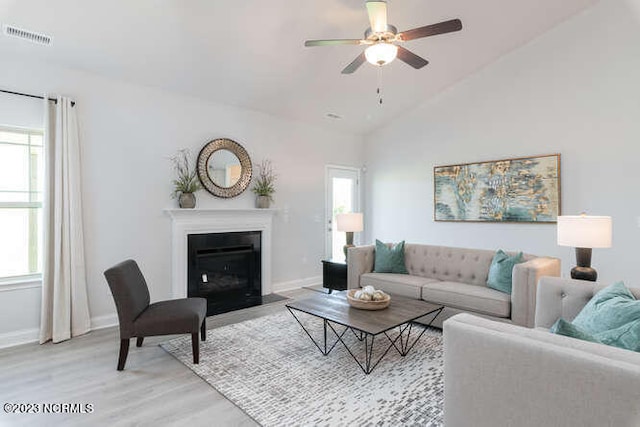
(388, 36)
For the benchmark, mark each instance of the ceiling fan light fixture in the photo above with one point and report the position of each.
(381, 53)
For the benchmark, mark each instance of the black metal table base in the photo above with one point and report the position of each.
(403, 344)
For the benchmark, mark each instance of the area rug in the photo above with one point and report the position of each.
(271, 370)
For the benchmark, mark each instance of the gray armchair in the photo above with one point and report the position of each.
(140, 319)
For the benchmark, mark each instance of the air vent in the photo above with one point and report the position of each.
(27, 35)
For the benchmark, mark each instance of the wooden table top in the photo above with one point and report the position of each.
(335, 308)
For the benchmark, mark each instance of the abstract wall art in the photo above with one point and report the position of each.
(525, 189)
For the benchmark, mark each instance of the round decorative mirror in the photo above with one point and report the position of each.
(224, 168)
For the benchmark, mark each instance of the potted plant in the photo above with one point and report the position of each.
(264, 185)
(186, 182)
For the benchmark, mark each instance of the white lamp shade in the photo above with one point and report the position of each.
(583, 231)
(350, 222)
(381, 53)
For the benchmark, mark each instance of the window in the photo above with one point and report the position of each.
(21, 193)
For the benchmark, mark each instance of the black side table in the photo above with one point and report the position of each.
(334, 275)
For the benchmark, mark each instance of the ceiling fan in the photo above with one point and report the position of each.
(382, 39)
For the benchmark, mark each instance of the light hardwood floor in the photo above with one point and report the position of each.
(154, 389)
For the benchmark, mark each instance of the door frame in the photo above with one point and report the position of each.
(327, 200)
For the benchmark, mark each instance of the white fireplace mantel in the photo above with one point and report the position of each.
(199, 221)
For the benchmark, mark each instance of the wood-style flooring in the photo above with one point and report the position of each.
(154, 389)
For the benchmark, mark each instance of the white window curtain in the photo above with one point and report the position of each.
(65, 308)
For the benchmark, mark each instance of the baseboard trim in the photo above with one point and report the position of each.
(296, 284)
(106, 321)
(25, 336)
(29, 336)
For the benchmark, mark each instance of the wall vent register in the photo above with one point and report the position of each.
(23, 34)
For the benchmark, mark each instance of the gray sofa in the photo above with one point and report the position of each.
(504, 375)
(457, 279)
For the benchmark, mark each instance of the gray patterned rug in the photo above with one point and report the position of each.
(270, 369)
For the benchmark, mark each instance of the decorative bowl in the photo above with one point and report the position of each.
(367, 305)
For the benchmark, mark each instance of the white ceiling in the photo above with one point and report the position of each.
(250, 53)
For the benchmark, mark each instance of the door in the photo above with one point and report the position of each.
(342, 196)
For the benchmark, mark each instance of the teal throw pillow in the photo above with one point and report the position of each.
(501, 271)
(613, 317)
(611, 308)
(562, 327)
(626, 336)
(389, 260)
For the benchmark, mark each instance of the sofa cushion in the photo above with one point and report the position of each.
(468, 297)
(449, 264)
(399, 284)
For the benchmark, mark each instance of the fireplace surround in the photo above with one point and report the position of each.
(204, 221)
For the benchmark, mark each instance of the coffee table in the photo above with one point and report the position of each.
(366, 325)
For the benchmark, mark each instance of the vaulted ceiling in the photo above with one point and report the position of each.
(250, 53)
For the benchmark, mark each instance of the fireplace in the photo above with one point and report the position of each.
(225, 268)
(202, 221)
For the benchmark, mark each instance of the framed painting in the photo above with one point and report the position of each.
(525, 189)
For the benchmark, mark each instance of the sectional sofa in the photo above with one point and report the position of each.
(504, 375)
(457, 279)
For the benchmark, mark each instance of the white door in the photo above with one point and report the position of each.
(342, 196)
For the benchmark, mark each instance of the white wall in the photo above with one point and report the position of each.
(128, 132)
(575, 91)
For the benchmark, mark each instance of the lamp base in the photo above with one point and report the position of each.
(349, 244)
(583, 270)
(584, 273)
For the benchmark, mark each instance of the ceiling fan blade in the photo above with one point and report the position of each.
(377, 11)
(334, 42)
(411, 58)
(431, 30)
(355, 64)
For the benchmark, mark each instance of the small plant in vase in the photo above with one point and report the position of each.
(186, 182)
(264, 185)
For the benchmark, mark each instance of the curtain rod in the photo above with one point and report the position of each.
(73, 103)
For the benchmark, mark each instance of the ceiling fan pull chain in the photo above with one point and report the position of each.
(379, 90)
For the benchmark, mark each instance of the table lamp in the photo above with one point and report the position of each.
(349, 223)
(584, 232)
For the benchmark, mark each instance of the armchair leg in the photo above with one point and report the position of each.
(203, 330)
(124, 351)
(195, 347)
(139, 341)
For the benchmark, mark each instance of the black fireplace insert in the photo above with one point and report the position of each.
(225, 269)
